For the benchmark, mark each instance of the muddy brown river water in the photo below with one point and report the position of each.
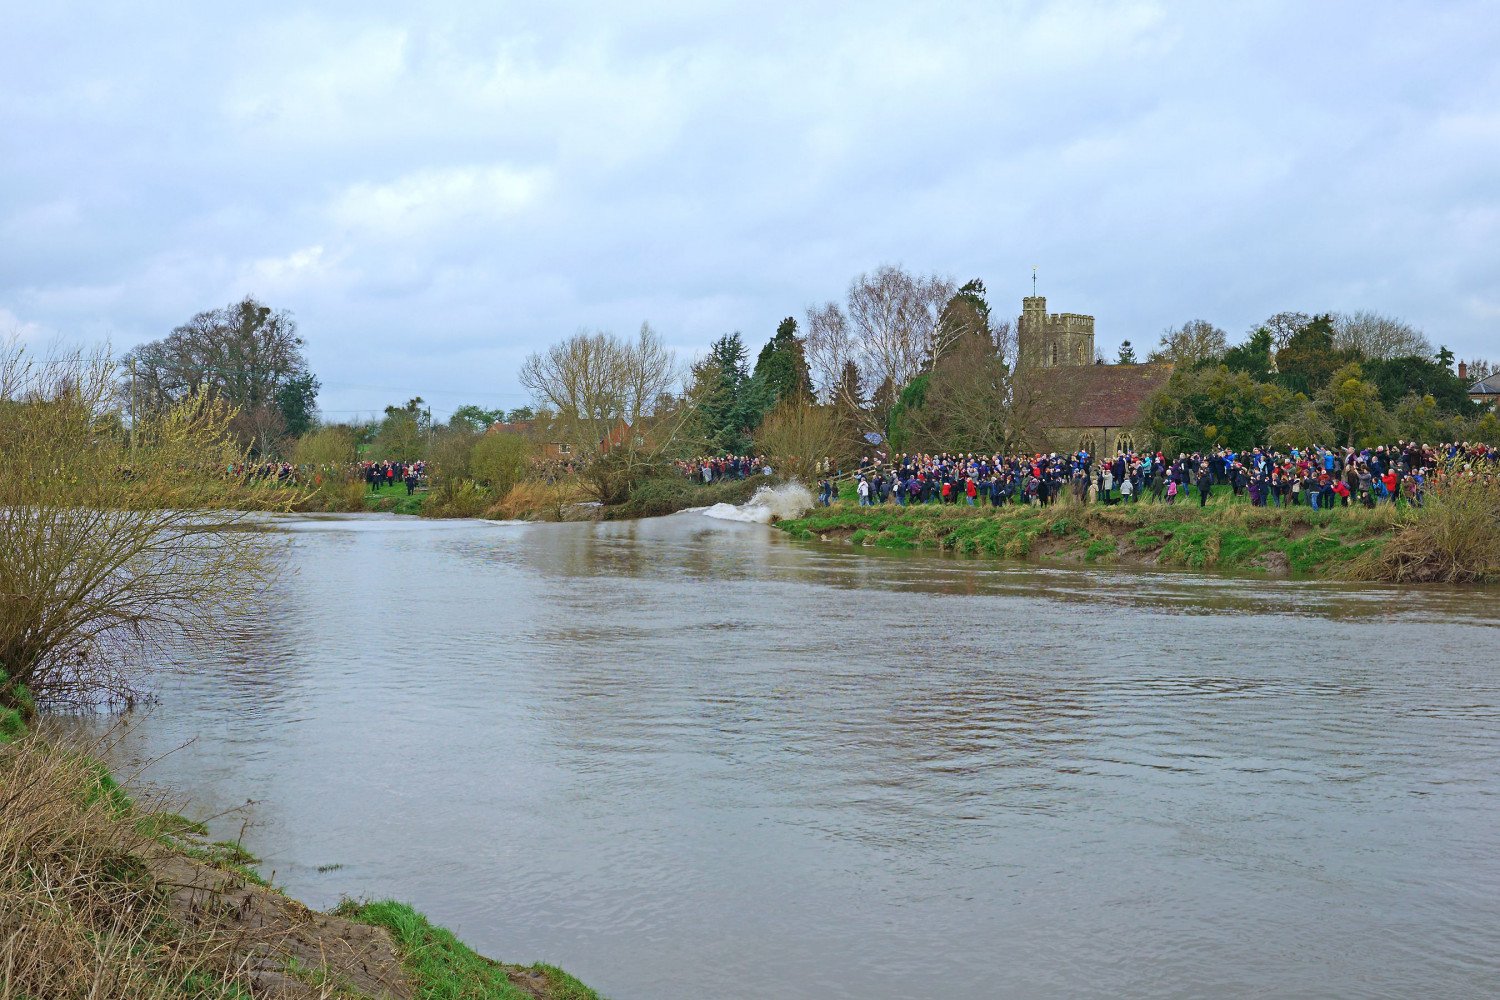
(689, 758)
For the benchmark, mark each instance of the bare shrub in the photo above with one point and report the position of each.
(797, 435)
(1453, 538)
(112, 542)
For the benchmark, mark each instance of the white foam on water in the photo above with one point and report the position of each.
(770, 503)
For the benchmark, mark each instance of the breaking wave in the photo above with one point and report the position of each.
(770, 503)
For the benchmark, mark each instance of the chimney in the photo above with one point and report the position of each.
(1463, 373)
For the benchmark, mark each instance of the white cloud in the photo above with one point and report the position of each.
(424, 203)
(13, 327)
(300, 269)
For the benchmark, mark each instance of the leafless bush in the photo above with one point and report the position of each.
(113, 542)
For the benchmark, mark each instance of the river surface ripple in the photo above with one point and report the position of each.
(685, 758)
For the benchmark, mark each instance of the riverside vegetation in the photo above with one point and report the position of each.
(1454, 538)
(111, 543)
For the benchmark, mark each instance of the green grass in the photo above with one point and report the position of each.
(1226, 534)
(1104, 548)
(394, 499)
(16, 708)
(443, 968)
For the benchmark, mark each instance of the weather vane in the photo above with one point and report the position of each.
(1033, 281)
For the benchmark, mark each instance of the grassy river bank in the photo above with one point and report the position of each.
(105, 896)
(1454, 539)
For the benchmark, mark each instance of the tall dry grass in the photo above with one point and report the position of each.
(81, 915)
(1453, 538)
(539, 501)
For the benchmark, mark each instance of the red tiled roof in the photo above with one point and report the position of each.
(1094, 395)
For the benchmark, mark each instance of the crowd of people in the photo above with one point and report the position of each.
(376, 475)
(282, 472)
(1319, 478)
(712, 469)
(379, 474)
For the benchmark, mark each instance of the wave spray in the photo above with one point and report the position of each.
(770, 503)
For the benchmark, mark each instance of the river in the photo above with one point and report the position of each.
(690, 758)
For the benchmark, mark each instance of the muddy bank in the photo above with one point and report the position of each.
(101, 895)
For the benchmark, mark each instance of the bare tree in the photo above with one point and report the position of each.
(1192, 343)
(603, 399)
(246, 354)
(1479, 369)
(888, 326)
(830, 345)
(112, 544)
(1379, 337)
(1282, 327)
(797, 435)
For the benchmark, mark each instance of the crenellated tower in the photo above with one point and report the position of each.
(1050, 341)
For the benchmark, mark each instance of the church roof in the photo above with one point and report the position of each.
(1095, 395)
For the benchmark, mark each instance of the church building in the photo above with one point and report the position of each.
(1078, 402)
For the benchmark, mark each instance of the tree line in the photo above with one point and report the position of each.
(903, 360)
(1300, 379)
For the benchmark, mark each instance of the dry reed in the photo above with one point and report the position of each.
(1453, 538)
(81, 915)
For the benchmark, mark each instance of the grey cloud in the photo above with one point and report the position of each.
(433, 195)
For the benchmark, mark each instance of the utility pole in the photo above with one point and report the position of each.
(132, 411)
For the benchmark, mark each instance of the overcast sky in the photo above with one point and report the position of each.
(435, 194)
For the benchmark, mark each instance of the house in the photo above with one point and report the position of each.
(1077, 403)
(552, 451)
(1485, 392)
(559, 451)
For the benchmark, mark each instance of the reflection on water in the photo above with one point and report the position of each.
(692, 758)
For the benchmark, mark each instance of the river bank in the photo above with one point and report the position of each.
(103, 895)
(654, 496)
(1276, 541)
(1454, 538)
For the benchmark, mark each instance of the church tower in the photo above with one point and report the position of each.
(1051, 341)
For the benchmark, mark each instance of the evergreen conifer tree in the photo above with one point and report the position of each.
(780, 371)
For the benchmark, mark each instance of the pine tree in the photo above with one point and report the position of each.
(1126, 355)
(1309, 359)
(882, 402)
(720, 390)
(780, 371)
(1253, 357)
(967, 313)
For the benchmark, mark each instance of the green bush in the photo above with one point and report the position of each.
(449, 499)
(500, 461)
